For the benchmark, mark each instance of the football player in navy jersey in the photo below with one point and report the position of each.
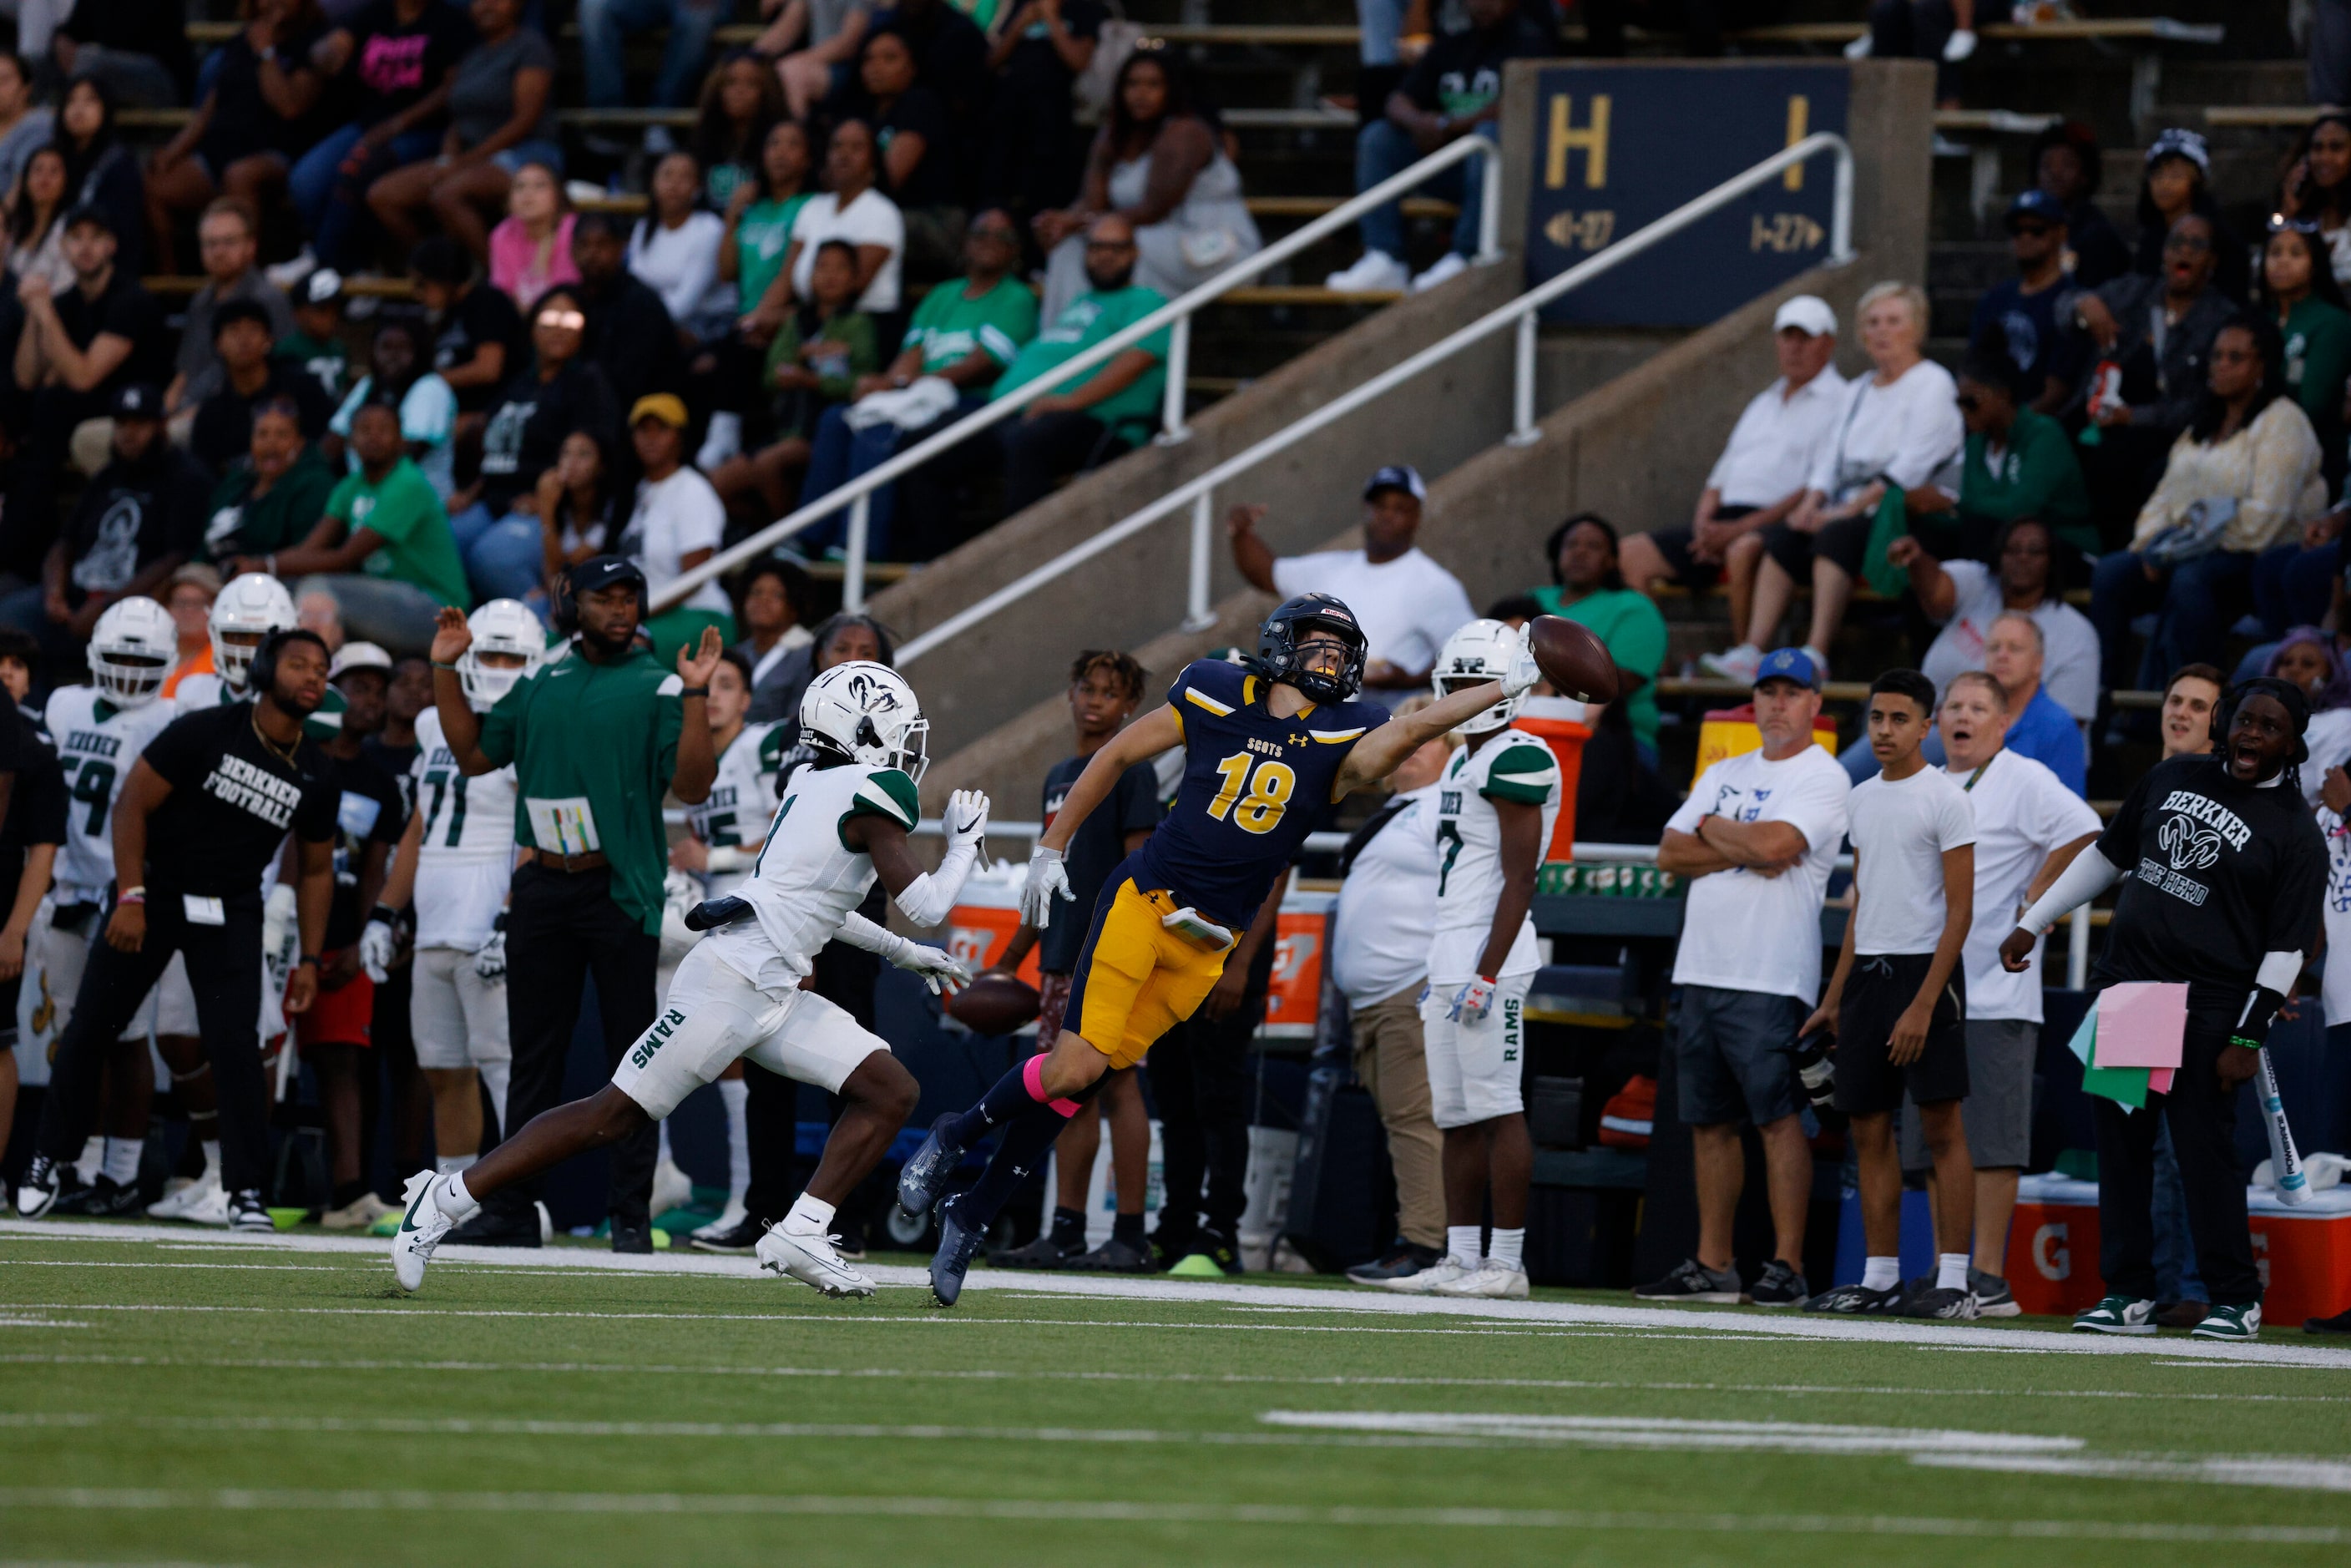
(1268, 748)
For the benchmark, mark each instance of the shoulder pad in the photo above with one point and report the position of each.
(889, 792)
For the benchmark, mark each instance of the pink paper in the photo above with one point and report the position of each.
(2159, 1080)
(2141, 1024)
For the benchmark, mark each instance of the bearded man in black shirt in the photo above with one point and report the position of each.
(201, 816)
(2223, 874)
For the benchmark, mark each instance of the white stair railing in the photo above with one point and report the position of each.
(1174, 317)
(1520, 314)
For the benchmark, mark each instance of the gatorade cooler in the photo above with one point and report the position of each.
(1558, 723)
(981, 925)
(1730, 731)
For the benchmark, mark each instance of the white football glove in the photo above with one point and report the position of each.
(490, 958)
(1523, 671)
(1047, 880)
(1472, 1002)
(967, 819)
(940, 969)
(376, 943)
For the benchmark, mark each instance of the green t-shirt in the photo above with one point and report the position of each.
(1629, 627)
(592, 747)
(854, 353)
(236, 524)
(949, 328)
(1083, 322)
(2037, 476)
(2317, 359)
(418, 547)
(762, 235)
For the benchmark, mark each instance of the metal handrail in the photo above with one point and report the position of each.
(1522, 312)
(1174, 316)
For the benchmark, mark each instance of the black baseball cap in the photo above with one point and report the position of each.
(137, 400)
(1396, 476)
(90, 212)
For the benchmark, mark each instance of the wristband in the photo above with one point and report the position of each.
(693, 692)
(2241, 1040)
(131, 896)
(382, 915)
(310, 959)
(439, 665)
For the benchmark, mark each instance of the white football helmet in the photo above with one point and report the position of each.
(1479, 652)
(867, 713)
(132, 650)
(501, 626)
(255, 605)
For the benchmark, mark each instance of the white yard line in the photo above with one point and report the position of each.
(1667, 1432)
(2221, 1470)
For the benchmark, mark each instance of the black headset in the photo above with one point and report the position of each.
(563, 608)
(261, 675)
(2224, 712)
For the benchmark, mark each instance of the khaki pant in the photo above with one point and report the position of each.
(1394, 1065)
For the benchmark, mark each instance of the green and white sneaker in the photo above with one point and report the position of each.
(2117, 1315)
(2239, 1326)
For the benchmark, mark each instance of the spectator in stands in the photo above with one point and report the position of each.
(1899, 428)
(100, 171)
(36, 227)
(2017, 316)
(139, 48)
(2016, 654)
(231, 252)
(606, 25)
(1587, 587)
(481, 342)
(2240, 477)
(951, 59)
(1942, 31)
(1455, 89)
(400, 371)
(318, 612)
(1755, 841)
(919, 158)
(316, 343)
(501, 116)
(2067, 163)
(2155, 332)
(741, 102)
(963, 334)
(775, 597)
(2017, 462)
(188, 594)
(812, 368)
(2308, 657)
(248, 127)
(811, 42)
(271, 498)
(2177, 183)
(2317, 185)
(849, 208)
(1407, 604)
(1764, 467)
(1158, 166)
(251, 376)
(1965, 597)
(555, 393)
(25, 127)
(390, 63)
(1038, 49)
(2316, 324)
(760, 214)
(386, 507)
(673, 250)
(676, 524)
(531, 250)
(628, 330)
(579, 502)
(138, 521)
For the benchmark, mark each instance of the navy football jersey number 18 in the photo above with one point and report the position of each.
(1254, 786)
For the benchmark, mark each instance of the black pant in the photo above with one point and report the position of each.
(1038, 452)
(1916, 29)
(2203, 1122)
(225, 969)
(561, 928)
(1200, 1082)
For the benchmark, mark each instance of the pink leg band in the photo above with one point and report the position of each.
(1032, 1078)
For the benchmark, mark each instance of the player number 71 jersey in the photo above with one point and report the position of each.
(465, 851)
(1516, 767)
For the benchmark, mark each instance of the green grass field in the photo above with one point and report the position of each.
(187, 1398)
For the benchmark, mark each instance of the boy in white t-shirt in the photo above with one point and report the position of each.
(1897, 1002)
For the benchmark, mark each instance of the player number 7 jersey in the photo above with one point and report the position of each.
(1516, 767)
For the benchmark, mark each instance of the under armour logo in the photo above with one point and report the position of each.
(2191, 845)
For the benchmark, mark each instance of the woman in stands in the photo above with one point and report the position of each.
(36, 223)
(501, 116)
(2308, 657)
(100, 171)
(1160, 163)
(918, 157)
(741, 100)
(2317, 186)
(530, 250)
(812, 42)
(2178, 182)
(580, 507)
(248, 128)
(674, 251)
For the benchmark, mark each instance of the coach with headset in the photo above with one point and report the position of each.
(595, 736)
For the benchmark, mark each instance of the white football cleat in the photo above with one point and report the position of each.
(672, 1189)
(421, 1230)
(1491, 1282)
(1431, 1280)
(209, 1205)
(811, 1261)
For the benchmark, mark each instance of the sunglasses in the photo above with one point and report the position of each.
(2037, 231)
(2189, 243)
(1111, 245)
(2280, 224)
(562, 320)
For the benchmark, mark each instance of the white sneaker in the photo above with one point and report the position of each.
(1493, 1280)
(1738, 665)
(732, 1215)
(1375, 272)
(724, 441)
(811, 1261)
(287, 274)
(357, 1215)
(672, 1189)
(1450, 265)
(211, 1205)
(180, 1195)
(1959, 47)
(1430, 1281)
(1859, 48)
(421, 1230)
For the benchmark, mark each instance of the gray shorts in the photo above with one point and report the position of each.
(1999, 1107)
(1734, 1054)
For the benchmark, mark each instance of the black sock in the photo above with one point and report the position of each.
(1026, 1138)
(1128, 1227)
(1069, 1227)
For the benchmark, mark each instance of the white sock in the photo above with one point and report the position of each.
(454, 1200)
(1951, 1270)
(92, 1159)
(664, 1143)
(212, 1163)
(1882, 1273)
(736, 1095)
(1508, 1249)
(122, 1159)
(1461, 1245)
(497, 1075)
(450, 1164)
(809, 1216)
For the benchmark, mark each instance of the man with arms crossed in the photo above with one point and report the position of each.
(1901, 1027)
(1757, 839)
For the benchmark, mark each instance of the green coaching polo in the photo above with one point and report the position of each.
(593, 748)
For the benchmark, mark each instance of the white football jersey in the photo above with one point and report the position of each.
(742, 798)
(202, 690)
(1512, 766)
(97, 744)
(807, 881)
(464, 859)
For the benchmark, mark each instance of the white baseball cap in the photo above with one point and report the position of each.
(359, 656)
(1808, 314)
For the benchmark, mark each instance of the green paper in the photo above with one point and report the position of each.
(2124, 1085)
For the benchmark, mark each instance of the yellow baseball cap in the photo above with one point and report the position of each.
(667, 407)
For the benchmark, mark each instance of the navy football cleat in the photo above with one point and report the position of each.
(922, 1177)
(953, 1260)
